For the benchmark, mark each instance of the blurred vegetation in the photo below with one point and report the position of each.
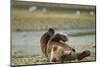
(24, 5)
(59, 16)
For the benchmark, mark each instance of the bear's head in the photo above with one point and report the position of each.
(60, 54)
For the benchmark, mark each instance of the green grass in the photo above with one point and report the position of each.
(28, 21)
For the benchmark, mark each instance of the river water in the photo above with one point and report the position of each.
(28, 43)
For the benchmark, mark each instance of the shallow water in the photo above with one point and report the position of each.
(28, 43)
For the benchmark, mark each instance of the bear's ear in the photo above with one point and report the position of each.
(54, 48)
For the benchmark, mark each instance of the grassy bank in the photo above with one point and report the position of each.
(43, 60)
(28, 21)
(39, 59)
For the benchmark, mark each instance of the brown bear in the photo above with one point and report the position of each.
(45, 38)
(59, 51)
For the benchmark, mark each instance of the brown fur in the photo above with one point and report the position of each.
(56, 48)
(59, 51)
(83, 54)
(44, 40)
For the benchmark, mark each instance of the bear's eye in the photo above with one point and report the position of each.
(55, 48)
